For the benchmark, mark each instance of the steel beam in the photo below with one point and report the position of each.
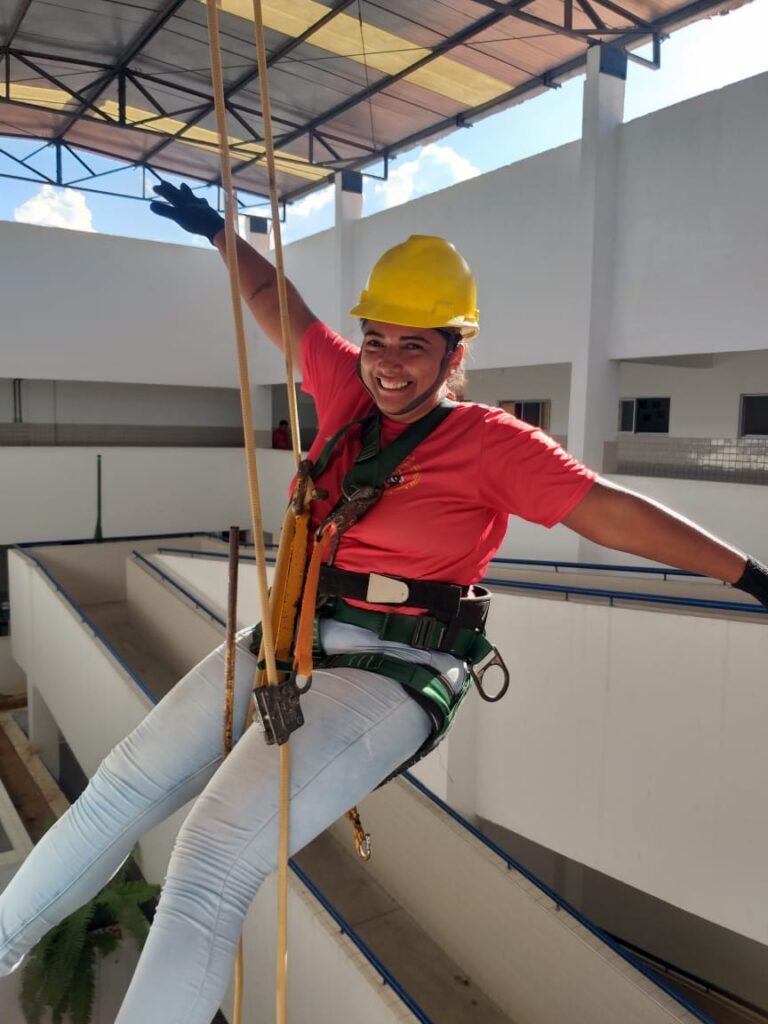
(20, 15)
(145, 33)
(249, 76)
(449, 43)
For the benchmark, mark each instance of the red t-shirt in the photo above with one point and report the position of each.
(444, 512)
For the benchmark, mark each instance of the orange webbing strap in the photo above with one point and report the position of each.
(306, 631)
(287, 586)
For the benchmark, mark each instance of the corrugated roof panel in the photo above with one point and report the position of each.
(350, 80)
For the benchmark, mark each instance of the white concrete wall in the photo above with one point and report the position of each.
(84, 307)
(691, 246)
(51, 401)
(527, 383)
(704, 399)
(11, 677)
(691, 231)
(50, 493)
(207, 579)
(704, 402)
(95, 573)
(537, 964)
(18, 840)
(329, 980)
(631, 742)
(173, 627)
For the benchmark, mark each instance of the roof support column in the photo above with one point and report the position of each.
(258, 232)
(348, 209)
(594, 390)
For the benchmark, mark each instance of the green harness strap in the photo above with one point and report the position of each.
(424, 632)
(374, 465)
(426, 686)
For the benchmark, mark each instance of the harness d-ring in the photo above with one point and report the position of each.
(478, 673)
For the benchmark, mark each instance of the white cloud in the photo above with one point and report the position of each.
(56, 208)
(312, 203)
(436, 166)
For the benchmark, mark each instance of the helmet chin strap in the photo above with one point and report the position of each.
(442, 377)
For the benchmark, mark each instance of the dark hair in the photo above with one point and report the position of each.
(283, 423)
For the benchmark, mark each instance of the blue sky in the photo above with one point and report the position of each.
(705, 56)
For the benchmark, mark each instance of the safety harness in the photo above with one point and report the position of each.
(451, 618)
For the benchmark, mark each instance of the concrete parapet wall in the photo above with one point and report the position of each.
(535, 962)
(50, 493)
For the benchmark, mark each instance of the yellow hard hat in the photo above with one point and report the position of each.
(423, 282)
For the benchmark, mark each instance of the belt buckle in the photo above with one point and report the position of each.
(386, 589)
(423, 638)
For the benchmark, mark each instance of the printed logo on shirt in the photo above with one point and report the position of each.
(407, 475)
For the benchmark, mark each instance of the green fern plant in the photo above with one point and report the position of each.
(60, 972)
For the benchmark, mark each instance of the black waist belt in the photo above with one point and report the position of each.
(458, 631)
(440, 599)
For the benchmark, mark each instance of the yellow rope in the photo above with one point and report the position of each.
(229, 715)
(253, 480)
(230, 225)
(281, 977)
(237, 1009)
(269, 151)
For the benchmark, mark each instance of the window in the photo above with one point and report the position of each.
(644, 415)
(627, 416)
(753, 421)
(534, 412)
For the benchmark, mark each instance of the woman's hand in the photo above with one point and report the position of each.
(190, 212)
(257, 276)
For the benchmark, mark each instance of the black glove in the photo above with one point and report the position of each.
(188, 210)
(754, 581)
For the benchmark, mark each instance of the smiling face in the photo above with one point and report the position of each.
(398, 364)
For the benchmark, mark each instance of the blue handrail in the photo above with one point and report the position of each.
(631, 595)
(559, 901)
(137, 556)
(197, 553)
(367, 952)
(113, 540)
(602, 566)
(559, 588)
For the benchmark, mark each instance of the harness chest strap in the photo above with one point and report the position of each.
(454, 624)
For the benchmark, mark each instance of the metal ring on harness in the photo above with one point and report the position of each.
(478, 673)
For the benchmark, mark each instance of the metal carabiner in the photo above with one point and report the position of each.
(477, 677)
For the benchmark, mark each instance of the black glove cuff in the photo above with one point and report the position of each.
(754, 581)
(214, 228)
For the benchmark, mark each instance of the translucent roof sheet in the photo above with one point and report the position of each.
(351, 81)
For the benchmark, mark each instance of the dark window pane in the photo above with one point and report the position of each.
(652, 416)
(627, 416)
(529, 412)
(754, 414)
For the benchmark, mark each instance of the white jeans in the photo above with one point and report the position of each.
(359, 727)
